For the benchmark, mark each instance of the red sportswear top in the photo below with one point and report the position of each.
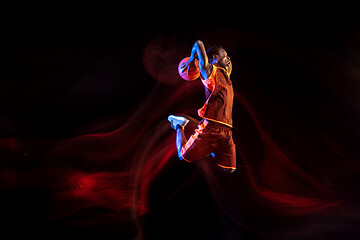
(219, 97)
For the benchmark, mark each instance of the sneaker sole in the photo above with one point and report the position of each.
(181, 119)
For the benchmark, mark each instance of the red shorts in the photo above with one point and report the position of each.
(211, 137)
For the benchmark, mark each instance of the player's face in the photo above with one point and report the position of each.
(223, 60)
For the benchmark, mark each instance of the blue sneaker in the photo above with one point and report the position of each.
(177, 121)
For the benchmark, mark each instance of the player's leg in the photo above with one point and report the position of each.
(180, 141)
(178, 123)
(225, 153)
(199, 144)
(197, 147)
(226, 159)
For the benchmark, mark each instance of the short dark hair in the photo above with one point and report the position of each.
(213, 50)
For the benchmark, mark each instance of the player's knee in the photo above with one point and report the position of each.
(229, 170)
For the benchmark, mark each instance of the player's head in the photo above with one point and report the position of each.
(218, 56)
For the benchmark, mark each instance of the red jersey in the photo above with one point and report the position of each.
(219, 97)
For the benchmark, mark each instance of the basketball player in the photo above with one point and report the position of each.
(214, 134)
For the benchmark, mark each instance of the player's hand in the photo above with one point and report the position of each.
(189, 64)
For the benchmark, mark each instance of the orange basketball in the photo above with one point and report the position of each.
(193, 73)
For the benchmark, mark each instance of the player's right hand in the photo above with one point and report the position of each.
(186, 66)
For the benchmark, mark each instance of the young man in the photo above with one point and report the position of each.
(214, 133)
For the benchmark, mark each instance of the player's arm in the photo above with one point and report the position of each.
(198, 51)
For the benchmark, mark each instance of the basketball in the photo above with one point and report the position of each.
(190, 75)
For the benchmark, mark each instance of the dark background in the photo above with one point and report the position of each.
(88, 98)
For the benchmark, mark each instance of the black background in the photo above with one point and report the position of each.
(62, 78)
